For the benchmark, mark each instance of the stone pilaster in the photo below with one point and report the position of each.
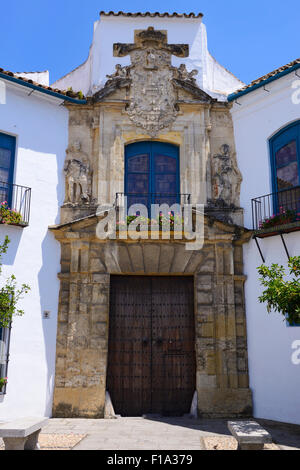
(222, 371)
(82, 337)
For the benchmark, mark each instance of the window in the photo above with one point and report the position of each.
(7, 160)
(285, 160)
(4, 354)
(152, 174)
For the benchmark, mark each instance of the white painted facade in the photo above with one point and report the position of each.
(274, 378)
(41, 129)
(91, 76)
(39, 77)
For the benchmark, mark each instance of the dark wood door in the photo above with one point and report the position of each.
(151, 360)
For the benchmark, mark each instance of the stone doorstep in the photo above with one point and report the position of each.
(249, 432)
(22, 427)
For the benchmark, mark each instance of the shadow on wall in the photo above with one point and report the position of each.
(49, 293)
(43, 138)
(15, 235)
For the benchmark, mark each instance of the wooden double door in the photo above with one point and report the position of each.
(151, 358)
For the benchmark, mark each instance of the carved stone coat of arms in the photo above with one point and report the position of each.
(151, 79)
(152, 99)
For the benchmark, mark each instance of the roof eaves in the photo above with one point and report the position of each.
(263, 82)
(152, 15)
(9, 76)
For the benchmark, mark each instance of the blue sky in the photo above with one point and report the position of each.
(249, 38)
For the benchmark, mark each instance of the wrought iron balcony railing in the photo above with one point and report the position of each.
(151, 198)
(14, 204)
(275, 209)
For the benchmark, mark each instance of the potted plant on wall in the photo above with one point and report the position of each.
(3, 382)
(9, 216)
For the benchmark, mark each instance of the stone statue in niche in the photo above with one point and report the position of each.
(78, 176)
(227, 178)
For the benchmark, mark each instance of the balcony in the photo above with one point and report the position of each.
(14, 204)
(276, 213)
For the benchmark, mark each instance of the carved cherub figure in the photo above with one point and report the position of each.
(183, 74)
(121, 72)
(78, 176)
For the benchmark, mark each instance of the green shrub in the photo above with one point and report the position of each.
(281, 295)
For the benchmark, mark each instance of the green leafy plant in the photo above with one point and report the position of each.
(9, 216)
(282, 295)
(10, 294)
(3, 382)
(285, 216)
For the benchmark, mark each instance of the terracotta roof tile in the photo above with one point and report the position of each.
(262, 79)
(151, 15)
(68, 93)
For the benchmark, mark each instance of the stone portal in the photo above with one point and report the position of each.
(84, 311)
(151, 100)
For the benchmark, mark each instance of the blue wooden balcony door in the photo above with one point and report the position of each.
(285, 161)
(152, 174)
(7, 158)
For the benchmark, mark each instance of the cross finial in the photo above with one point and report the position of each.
(157, 39)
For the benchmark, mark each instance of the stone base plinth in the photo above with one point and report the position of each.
(224, 403)
(79, 402)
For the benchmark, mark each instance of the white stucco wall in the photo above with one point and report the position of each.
(274, 379)
(91, 75)
(258, 116)
(40, 125)
(38, 77)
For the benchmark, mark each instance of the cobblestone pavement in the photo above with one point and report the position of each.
(159, 433)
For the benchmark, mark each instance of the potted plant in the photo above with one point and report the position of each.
(285, 216)
(3, 382)
(9, 216)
